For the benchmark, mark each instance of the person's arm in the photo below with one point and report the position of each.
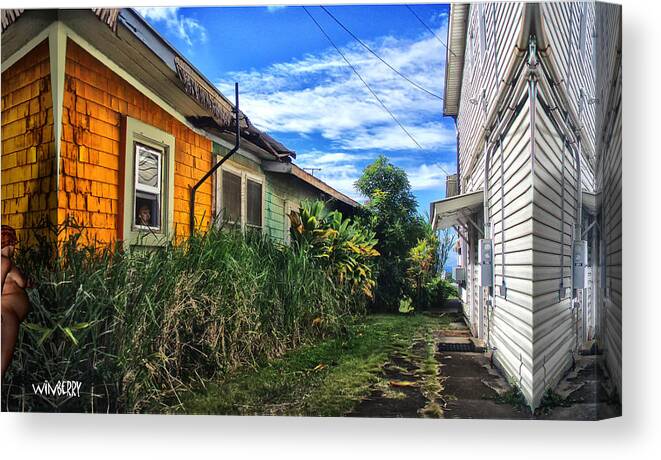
(19, 278)
(6, 268)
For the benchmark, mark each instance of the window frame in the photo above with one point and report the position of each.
(260, 181)
(245, 176)
(239, 174)
(148, 189)
(138, 133)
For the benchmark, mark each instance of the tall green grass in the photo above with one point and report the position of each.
(140, 327)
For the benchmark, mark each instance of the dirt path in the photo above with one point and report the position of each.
(400, 395)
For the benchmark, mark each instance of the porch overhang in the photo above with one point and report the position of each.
(455, 210)
(590, 202)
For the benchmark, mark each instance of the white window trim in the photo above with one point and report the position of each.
(257, 179)
(245, 176)
(149, 188)
(142, 133)
(158, 190)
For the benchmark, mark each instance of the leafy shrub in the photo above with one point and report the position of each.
(138, 327)
(423, 260)
(436, 292)
(343, 246)
(406, 306)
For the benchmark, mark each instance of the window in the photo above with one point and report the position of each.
(148, 197)
(231, 197)
(254, 204)
(148, 188)
(240, 197)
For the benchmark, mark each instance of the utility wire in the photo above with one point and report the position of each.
(429, 29)
(330, 40)
(379, 57)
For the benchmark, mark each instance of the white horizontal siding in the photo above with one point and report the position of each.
(609, 180)
(510, 212)
(483, 71)
(534, 209)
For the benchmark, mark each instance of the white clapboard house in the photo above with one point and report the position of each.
(535, 91)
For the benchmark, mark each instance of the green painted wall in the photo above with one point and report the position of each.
(284, 193)
(274, 218)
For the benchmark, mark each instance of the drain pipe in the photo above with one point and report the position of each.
(237, 144)
(579, 154)
(456, 129)
(487, 159)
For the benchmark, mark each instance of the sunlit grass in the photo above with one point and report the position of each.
(326, 379)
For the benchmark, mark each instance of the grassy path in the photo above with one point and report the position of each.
(333, 378)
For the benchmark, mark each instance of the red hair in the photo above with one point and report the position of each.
(8, 236)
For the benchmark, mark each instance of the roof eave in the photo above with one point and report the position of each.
(455, 51)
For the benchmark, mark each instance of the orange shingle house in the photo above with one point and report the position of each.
(104, 121)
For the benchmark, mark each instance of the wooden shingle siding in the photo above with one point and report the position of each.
(95, 101)
(28, 182)
(609, 176)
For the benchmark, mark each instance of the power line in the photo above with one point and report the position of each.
(379, 57)
(330, 40)
(429, 29)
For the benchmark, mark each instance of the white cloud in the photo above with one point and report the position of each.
(187, 29)
(342, 169)
(429, 176)
(390, 137)
(319, 94)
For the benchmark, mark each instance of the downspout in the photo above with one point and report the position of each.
(237, 144)
(532, 98)
(579, 153)
(456, 129)
(487, 233)
(561, 292)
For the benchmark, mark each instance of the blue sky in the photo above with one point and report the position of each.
(296, 86)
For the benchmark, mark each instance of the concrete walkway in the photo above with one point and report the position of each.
(468, 386)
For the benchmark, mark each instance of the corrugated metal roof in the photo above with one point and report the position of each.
(455, 57)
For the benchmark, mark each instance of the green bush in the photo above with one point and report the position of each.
(435, 293)
(138, 327)
(342, 246)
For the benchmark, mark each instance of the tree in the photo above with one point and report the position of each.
(392, 214)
